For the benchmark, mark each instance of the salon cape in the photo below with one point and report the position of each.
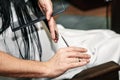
(102, 45)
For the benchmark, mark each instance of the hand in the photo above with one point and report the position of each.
(47, 8)
(67, 58)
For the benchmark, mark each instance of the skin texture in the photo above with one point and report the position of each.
(64, 59)
(47, 9)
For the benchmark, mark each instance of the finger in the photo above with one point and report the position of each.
(56, 34)
(77, 64)
(78, 55)
(72, 49)
(53, 28)
(76, 49)
(74, 60)
(49, 10)
(48, 14)
(83, 60)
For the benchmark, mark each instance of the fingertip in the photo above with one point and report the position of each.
(55, 40)
(89, 56)
(84, 49)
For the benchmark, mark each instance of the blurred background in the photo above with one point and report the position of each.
(86, 14)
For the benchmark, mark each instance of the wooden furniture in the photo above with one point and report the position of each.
(106, 71)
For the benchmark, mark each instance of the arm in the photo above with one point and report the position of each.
(64, 59)
(14, 67)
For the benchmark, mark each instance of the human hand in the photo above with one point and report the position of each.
(47, 8)
(67, 58)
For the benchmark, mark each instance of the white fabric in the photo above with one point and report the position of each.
(102, 45)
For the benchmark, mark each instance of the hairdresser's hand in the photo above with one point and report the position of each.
(47, 8)
(67, 58)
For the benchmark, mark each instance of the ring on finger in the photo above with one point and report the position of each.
(79, 60)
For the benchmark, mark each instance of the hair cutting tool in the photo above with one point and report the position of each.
(57, 34)
(65, 41)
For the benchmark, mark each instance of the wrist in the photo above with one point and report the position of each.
(51, 71)
(47, 70)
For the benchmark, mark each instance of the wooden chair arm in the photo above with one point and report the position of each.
(106, 71)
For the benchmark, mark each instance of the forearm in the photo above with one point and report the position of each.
(64, 59)
(13, 67)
